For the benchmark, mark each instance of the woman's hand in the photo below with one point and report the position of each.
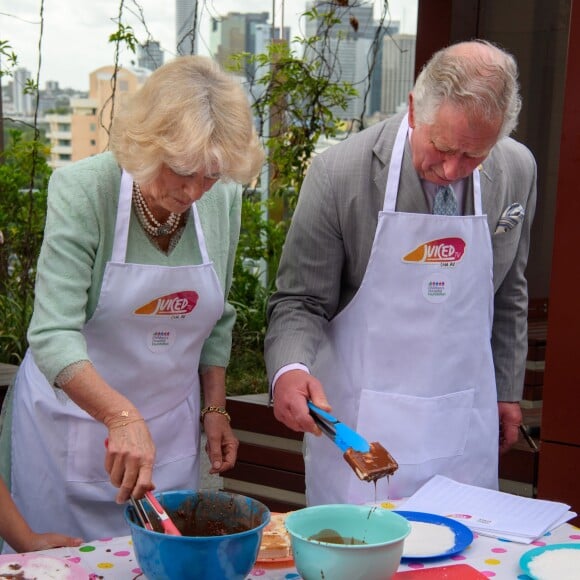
(130, 450)
(221, 446)
(130, 457)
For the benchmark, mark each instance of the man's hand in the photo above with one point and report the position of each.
(510, 419)
(292, 390)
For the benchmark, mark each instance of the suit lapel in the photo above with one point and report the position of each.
(492, 198)
(411, 197)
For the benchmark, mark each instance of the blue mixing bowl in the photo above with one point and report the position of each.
(222, 535)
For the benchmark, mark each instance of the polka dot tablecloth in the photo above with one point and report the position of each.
(113, 558)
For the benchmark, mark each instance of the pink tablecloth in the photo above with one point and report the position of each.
(113, 558)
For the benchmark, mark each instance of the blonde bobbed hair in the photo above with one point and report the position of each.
(191, 116)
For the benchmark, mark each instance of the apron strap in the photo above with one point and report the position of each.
(477, 204)
(123, 216)
(395, 166)
(119, 252)
(200, 237)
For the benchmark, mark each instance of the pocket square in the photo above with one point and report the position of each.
(511, 217)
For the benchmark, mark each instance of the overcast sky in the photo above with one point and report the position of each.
(76, 32)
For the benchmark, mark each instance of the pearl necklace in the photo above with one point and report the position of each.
(153, 227)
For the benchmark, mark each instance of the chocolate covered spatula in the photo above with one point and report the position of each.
(370, 461)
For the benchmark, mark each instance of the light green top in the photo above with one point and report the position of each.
(78, 241)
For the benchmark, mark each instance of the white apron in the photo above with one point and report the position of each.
(408, 362)
(145, 339)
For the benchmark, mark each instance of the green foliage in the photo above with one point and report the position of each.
(24, 176)
(124, 35)
(296, 100)
(8, 57)
(257, 259)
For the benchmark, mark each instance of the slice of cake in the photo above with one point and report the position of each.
(275, 539)
(374, 464)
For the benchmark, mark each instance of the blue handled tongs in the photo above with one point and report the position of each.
(344, 437)
(370, 461)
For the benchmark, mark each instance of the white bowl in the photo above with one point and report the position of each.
(372, 539)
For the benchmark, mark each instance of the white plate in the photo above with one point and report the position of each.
(463, 535)
(568, 567)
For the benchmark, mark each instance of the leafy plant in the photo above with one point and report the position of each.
(261, 241)
(24, 176)
(8, 58)
(295, 100)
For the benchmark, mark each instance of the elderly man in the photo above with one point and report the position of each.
(401, 300)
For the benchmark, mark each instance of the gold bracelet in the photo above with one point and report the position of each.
(124, 420)
(211, 409)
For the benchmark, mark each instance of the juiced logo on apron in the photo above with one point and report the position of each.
(444, 251)
(176, 304)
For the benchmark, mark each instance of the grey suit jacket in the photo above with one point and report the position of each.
(329, 243)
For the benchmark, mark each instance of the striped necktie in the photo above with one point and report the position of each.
(445, 202)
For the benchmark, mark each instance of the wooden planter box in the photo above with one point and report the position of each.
(270, 464)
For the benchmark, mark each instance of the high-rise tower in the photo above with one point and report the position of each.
(186, 26)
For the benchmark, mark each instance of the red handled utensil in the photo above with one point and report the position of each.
(168, 526)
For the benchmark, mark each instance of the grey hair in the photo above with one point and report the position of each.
(191, 116)
(477, 77)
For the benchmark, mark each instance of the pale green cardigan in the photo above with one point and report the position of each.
(78, 241)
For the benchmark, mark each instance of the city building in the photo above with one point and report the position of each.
(238, 32)
(150, 55)
(352, 51)
(398, 71)
(22, 102)
(85, 130)
(186, 26)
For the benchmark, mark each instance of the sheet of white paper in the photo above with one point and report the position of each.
(525, 539)
(488, 511)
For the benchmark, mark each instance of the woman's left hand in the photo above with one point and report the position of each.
(221, 446)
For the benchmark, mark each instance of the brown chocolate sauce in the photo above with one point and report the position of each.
(372, 465)
(206, 517)
(333, 537)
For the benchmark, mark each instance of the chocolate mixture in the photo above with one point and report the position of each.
(212, 517)
(372, 465)
(333, 537)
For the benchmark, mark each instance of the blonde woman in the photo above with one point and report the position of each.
(131, 327)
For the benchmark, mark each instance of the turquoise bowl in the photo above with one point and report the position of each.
(376, 535)
(228, 556)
